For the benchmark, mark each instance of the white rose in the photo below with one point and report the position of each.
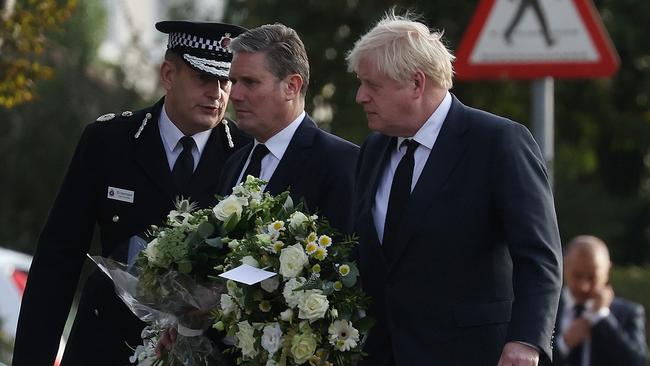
(292, 260)
(250, 261)
(297, 219)
(272, 338)
(290, 296)
(270, 284)
(303, 347)
(230, 205)
(286, 315)
(246, 340)
(313, 305)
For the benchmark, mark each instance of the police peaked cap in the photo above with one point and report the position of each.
(203, 46)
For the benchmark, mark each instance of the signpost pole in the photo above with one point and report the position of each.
(543, 121)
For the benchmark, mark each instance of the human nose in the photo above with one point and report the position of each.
(362, 95)
(216, 89)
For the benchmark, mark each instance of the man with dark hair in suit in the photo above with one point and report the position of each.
(459, 246)
(125, 175)
(594, 327)
(270, 74)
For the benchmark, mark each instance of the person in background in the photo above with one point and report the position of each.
(594, 327)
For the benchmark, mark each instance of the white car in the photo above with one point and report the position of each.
(14, 267)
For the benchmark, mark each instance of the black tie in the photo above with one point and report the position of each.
(575, 355)
(255, 165)
(400, 193)
(184, 166)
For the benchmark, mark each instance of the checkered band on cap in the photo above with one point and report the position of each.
(198, 43)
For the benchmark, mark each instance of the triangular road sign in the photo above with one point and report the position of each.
(531, 39)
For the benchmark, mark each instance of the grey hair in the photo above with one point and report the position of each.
(285, 52)
(402, 46)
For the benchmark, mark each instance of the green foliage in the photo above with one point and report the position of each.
(24, 32)
(602, 126)
(37, 139)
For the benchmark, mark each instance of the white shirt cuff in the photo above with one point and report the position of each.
(595, 317)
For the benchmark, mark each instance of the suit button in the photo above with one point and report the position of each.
(96, 312)
(116, 218)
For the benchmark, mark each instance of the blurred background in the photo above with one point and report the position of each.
(65, 62)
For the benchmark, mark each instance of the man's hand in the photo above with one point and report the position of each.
(518, 354)
(166, 340)
(577, 331)
(603, 297)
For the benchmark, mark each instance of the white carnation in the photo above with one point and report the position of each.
(290, 296)
(272, 338)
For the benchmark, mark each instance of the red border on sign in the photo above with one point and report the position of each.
(606, 65)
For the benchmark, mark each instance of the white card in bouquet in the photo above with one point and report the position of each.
(247, 274)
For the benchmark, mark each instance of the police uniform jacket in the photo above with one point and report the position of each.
(108, 159)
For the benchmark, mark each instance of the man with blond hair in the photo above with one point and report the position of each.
(594, 327)
(459, 246)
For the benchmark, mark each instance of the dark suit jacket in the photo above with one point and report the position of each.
(317, 167)
(618, 339)
(480, 261)
(107, 155)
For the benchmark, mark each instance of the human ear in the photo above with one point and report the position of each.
(293, 85)
(167, 73)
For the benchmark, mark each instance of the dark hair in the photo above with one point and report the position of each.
(285, 52)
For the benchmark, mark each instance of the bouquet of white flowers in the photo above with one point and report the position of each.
(313, 310)
(308, 309)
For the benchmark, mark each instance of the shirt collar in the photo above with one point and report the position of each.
(279, 142)
(171, 134)
(428, 133)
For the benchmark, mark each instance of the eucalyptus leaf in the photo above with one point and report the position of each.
(205, 229)
(214, 242)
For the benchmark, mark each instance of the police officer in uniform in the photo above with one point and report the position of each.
(125, 175)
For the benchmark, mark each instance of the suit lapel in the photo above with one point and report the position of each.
(366, 224)
(150, 154)
(292, 161)
(444, 157)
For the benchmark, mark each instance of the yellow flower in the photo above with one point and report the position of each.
(265, 306)
(276, 226)
(324, 241)
(344, 270)
(277, 246)
(321, 253)
(311, 248)
(311, 237)
(338, 285)
(315, 268)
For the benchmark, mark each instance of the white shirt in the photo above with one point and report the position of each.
(567, 316)
(426, 137)
(277, 145)
(171, 136)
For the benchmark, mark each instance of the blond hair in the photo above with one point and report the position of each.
(401, 46)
